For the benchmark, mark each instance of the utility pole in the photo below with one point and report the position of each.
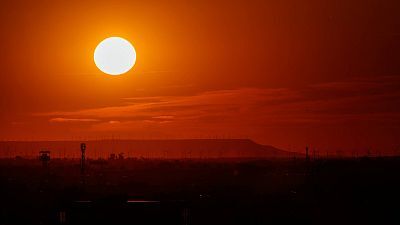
(83, 157)
(307, 155)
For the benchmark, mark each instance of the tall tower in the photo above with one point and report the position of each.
(83, 157)
(307, 155)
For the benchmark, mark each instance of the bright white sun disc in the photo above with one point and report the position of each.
(114, 56)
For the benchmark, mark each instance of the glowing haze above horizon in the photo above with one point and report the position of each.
(287, 73)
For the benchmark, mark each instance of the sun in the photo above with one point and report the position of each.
(115, 56)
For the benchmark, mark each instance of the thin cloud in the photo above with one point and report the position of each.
(64, 120)
(373, 100)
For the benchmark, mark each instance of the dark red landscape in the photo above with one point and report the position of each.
(225, 112)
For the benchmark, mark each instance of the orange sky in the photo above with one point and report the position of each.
(285, 73)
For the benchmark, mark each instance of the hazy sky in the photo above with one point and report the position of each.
(285, 73)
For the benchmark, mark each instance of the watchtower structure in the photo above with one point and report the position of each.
(44, 157)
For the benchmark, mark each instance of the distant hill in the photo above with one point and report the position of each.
(177, 148)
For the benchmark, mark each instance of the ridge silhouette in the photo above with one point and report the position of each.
(162, 148)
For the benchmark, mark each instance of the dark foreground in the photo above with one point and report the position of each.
(348, 191)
